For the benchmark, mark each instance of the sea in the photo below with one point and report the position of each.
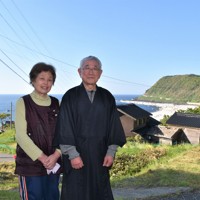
(8, 102)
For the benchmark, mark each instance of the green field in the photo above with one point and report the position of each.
(136, 165)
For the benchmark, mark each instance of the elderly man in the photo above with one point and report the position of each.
(89, 132)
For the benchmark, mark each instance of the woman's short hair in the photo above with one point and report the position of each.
(41, 67)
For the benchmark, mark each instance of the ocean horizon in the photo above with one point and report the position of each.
(8, 102)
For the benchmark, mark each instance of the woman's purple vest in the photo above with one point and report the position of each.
(41, 122)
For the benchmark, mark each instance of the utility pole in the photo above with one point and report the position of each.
(11, 115)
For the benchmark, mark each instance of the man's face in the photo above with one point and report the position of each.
(90, 72)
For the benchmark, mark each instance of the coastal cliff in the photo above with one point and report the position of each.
(179, 89)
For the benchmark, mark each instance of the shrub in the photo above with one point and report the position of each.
(128, 165)
(136, 138)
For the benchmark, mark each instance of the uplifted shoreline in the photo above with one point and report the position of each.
(164, 108)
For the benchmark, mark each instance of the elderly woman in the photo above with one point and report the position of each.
(37, 161)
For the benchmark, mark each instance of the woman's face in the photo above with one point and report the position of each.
(43, 83)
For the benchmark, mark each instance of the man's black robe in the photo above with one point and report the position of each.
(91, 128)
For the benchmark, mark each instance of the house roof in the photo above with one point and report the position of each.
(133, 111)
(184, 119)
(158, 131)
(153, 122)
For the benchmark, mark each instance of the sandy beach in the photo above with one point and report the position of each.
(164, 108)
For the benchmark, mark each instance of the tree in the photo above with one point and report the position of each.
(164, 119)
(190, 110)
(2, 117)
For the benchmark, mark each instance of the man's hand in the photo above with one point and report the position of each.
(108, 161)
(77, 163)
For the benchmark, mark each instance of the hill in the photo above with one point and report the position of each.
(174, 89)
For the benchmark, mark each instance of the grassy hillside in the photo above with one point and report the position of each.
(174, 89)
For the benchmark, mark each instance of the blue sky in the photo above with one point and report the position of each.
(138, 41)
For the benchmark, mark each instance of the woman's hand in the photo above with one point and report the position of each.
(51, 160)
(43, 158)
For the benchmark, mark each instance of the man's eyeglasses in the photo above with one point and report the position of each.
(88, 69)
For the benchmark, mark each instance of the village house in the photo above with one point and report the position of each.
(187, 125)
(135, 120)
(181, 127)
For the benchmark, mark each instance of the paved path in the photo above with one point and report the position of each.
(147, 193)
(6, 157)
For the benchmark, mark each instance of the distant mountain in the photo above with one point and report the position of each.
(174, 89)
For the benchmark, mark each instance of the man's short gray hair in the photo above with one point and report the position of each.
(90, 58)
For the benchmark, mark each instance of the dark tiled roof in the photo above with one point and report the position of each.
(184, 119)
(133, 110)
(149, 130)
(153, 122)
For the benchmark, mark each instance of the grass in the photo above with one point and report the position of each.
(7, 141)
(8, 180)
(145, 165)
(179, 168)
(9, 195)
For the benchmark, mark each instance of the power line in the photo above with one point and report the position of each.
(13, 71)
(18, 24)
(12, 28)
(14, 62)
(30, 26)
(63, 62)
(126, 81)
(40, 53)
(55, 59)
(18, 36)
